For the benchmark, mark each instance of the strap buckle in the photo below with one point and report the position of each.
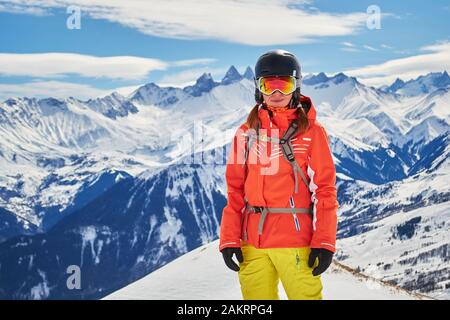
(258, 209)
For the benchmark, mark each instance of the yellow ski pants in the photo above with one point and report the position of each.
(262, 269)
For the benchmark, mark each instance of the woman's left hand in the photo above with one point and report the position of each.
(325, 257)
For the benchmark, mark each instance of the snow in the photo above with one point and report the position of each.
(89, 235)
(329, 93)
(425, 84)
(153, 222)
(379, 250)
(377, 246)
(51, 148)
(201, 274)
(41, 290)
(169, 231)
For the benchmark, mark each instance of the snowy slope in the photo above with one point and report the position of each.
(413, 243)
(399, 231)
(202, 274)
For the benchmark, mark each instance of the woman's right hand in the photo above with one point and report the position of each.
(228, 257)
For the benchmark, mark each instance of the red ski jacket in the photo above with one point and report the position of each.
(265, 179)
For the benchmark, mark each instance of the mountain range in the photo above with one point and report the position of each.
(122, 185)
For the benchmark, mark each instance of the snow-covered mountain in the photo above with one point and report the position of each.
(209, 279)
(138, 225)
(422, 84)
(67, 147)
(127, 184)
(398, 231)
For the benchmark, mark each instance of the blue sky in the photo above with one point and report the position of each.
(120, 46)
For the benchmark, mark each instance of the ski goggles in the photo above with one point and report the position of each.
(285, 84)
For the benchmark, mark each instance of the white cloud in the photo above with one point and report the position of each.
(227, 20)
(436, 59)
(55, 89)
(57, 65)
(369, 48)
(48, 69)
(20, 9)
(385, 46)
(48, 65)
(190, 62)
(188, 77)
(350, 49)
(348, 44)
(125, 91)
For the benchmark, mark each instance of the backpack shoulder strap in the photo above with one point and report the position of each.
(288, 153)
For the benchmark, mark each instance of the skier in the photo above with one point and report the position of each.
(281, 215)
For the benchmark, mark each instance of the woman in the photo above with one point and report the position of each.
(281, 217)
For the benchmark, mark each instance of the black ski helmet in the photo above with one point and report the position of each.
(278, 63)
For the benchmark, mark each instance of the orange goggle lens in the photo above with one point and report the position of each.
(268, 85)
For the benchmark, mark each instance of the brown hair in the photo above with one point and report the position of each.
(302, 118)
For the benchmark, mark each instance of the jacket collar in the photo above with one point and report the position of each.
(282, 119)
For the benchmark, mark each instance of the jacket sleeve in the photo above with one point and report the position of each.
(230, 226)
(322, 174)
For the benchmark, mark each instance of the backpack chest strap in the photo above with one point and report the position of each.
(285, 147)
(264, 211)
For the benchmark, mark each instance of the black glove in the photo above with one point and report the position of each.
(228, 255)
(325, 257)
